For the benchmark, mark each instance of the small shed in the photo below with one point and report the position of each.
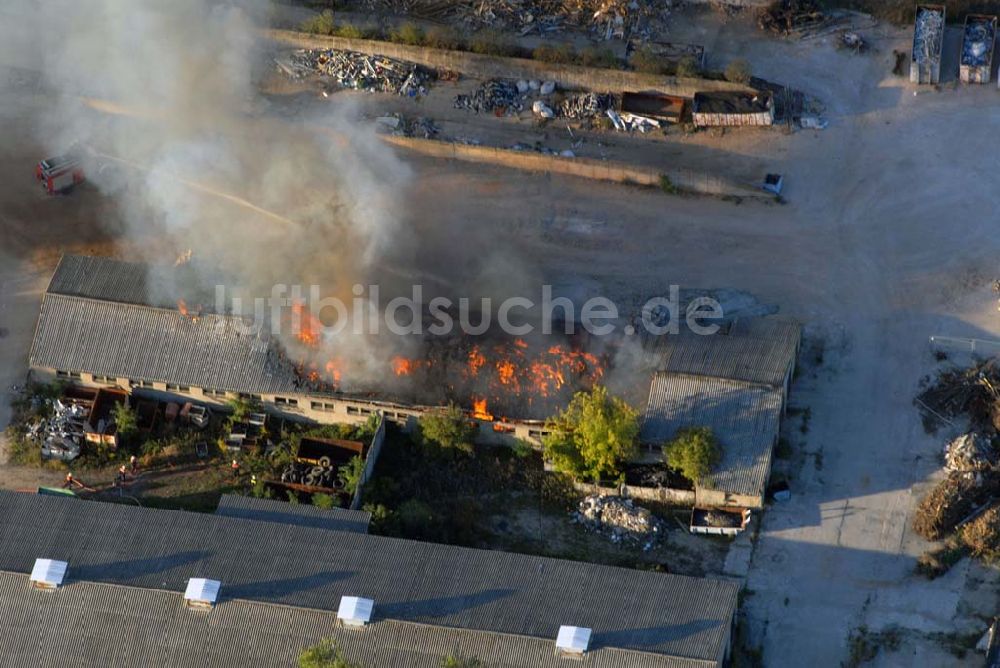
(978, 39)
(733, 108)
(928, 41)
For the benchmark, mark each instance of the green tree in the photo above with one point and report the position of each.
(126, 420)
(688, 67)
(321, 24)
(350, 474)
(694, 452)
(448, 429)
(452, 661)
(324, 654)
(738, 71)
(593, 436)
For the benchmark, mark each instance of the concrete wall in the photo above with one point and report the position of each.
(683, 497)
(374, 450)
(617, 172)
(481, 66)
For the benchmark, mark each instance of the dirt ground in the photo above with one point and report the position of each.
(887, 239)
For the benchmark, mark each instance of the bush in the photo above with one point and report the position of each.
(449, 430)
(492, 43)
(325, 501)
(688, 67)
(554, 53)
(738, 71)
(126, 421)
(408, 33)
(350, 474)
(443, 37)
(593, 56)
(22, 450)
(321, 24)
(593, 437)
(694, 452)
(644, 60)
(667, 186)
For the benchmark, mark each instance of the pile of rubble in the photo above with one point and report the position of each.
(60, 435)
(619, 519)
(587, 105)
(972, 392)
(604, 19)
(313, 476)
(970, 452)
(952, 500)
(786, 17)
(375, 74)
(499, 96)
(978, 43)
(928, 33)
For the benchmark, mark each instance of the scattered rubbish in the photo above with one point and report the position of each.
(391, 122)
(780, 491)
(773, 183)
(60, 435)
(358, 71)
(950, 502)
(298, 473)
(970, 452)
(539, 108)
(547, 87)
(971, 392)
(854, 41)
(786, 17)
(499, 96)
(522, 86)
(567, 154)
(619, 519)
(810, 122)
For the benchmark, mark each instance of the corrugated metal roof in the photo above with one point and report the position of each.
(148, 343)
(101, 278)
(438, 585)
(744, 418)
(300, 514)
(94, 624)
(755, 350)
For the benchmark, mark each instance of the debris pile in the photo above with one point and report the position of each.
(60, 435)
(297, 473)
(972, 392)
(587, 105)
(953, 500)
(970, 452)
(604, 19)
(722, 520)
(982, 534)
(499, 96)
(619, 519)
(375, 74)
(853, 41)
(784, 17)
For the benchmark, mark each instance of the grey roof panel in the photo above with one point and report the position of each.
(95, 624)
(744, 417)
(148, 343)
(410, 581)
(755, 350)
(303, 515)
(101, 278)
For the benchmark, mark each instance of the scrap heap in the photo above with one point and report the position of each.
(970, 452)
(972, 392)
(375, 74)
(499, 96)
(619, 519)
(784, 17)
(587, 105)
(63, 431)
(953, 499)
(928, 36)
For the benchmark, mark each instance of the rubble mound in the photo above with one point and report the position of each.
(982, 535)
(970, 452)
(950, 502)
(619, 519)
(971, 392)
(358, 71)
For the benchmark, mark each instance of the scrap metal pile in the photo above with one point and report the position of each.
(619, 519)
(972, 392)
(978, 44)
(587, 105)
(375, 74)
(60, 435)
(499, 96)
(313, 476)
(928, 35)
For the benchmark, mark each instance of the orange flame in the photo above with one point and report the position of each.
(182, 307)
(307, 324)
(333, 370)
(479, 410)
(476, 361)
(402, 366)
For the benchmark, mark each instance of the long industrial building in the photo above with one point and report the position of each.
(126, 597)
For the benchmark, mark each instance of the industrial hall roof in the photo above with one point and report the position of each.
(121, 602)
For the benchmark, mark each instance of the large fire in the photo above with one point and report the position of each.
(479, 409)
(305, 326)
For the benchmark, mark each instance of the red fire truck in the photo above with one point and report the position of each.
(60, 173)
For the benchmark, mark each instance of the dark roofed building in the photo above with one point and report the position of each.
(298, 514)
(121, 603)
(731, 108)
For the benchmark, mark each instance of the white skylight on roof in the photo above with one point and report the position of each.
(355, 611)
(201, 592)
(48, 573)
(573, 639)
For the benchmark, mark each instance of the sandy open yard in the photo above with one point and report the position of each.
(888, 236)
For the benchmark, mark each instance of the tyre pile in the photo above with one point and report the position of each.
(314, 476)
